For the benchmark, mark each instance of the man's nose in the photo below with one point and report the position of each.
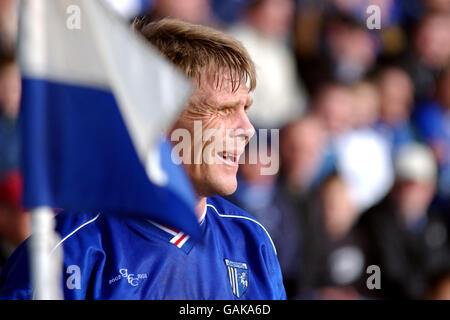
(244, 127)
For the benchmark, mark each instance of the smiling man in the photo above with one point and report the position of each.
(108, 257)
(217, 125)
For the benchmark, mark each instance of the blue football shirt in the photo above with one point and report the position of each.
(111, 257)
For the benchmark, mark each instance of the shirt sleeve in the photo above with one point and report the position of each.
(274, 274)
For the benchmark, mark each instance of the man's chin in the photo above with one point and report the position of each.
(228, 191)
(222, 188)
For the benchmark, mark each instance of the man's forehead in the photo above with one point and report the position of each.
(218, 91)
(222, 80)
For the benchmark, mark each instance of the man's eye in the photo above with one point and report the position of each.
(225, 110)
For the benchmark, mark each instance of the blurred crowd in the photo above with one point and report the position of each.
(364, 144)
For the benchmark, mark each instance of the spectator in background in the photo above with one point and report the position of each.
(430, 54)
(389, 10)
(9, 85)
(304, 165)
(437, 5)
(404, 238)
(432, 119)
(352, 49)
(333, 104)
(304, 162)
(193, 11)
(396, 99)
(282, 203)
(14, 221)
(362, 157)
(14, 224)
(333, 260)
(10, 89)
(367, 105)
(432, 40)
(264, 31)
(348, 50)
(8, 24)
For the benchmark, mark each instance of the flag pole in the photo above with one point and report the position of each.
(45, 264)
(46, 259)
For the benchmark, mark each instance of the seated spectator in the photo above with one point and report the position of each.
(430, 53)
(14, 223)
(193, 11)
(396, 99)
(348, 51)
(333, 261)
(9, 85)
(10, 89)
(333, 104)
(432, 120)
(264, 31)
(8, 23)
(304, 158)
(404, 238)
(362, 156)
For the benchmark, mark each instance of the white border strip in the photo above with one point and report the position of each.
(163, 228)
(70, 234)
(246, 218)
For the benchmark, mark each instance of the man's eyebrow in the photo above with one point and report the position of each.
(232, 104)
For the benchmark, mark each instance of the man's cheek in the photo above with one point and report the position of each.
(209, 153)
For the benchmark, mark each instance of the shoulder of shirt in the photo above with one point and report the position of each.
(226, 211)
(226, 207)
(68, 226)
(77, 225)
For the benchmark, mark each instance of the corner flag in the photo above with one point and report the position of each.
(96, 101)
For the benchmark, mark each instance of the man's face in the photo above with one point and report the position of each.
(301, 150)
(413, 198)
(220, 113)
(335, 105)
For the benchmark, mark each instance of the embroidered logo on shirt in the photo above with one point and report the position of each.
(132, 279)
(238, 275)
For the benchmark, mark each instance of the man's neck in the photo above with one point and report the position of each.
(200, 207)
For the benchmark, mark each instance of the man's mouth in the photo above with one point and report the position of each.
(228, 158)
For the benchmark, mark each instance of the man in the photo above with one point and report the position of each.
(107, 257)
(404, 234)
(264, 29)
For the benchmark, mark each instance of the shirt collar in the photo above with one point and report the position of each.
(179, 238)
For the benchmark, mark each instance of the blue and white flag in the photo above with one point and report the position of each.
(96, 100)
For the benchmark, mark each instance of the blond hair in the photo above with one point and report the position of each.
(195, 49)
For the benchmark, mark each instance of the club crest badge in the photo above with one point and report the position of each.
(238, 275)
